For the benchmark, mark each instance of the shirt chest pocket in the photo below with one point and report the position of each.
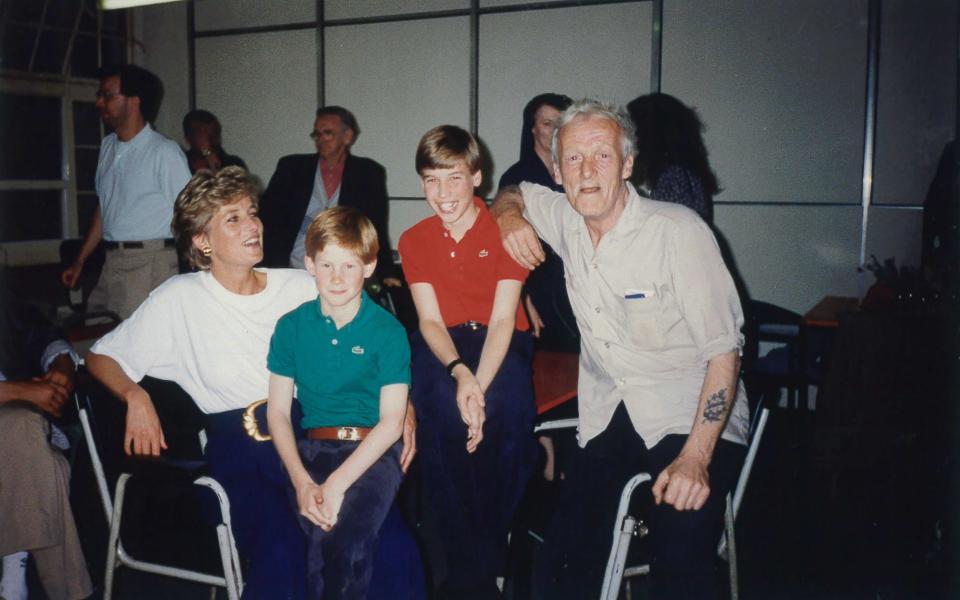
(653, 319)
(642, 311)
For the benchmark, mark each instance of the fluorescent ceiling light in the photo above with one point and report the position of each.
(115, 4)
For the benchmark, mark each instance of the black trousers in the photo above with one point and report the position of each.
(682, 544)
(340, 562)
(473, 496)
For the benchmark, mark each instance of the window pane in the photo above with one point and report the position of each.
(26, 10)
(34, 136)
(88, 22)
(86, 124)
(83, 61)
(86, 204)
(17, 45)
(30, 215)
(62, 13)
(51, 52)
(115, 22)
(86, 168)
(114, 51)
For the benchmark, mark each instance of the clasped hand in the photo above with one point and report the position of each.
(320, 504)
(471, 404)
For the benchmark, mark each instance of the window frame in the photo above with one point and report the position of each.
(68, 89)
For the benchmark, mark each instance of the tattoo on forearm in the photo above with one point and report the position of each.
(716, 407)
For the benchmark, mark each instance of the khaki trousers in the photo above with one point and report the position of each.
(129, 275)
(35, 510)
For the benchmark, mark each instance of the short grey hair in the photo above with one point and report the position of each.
(588, 107)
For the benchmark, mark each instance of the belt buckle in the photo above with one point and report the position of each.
(250, 424)
(348, 434)
(474, 325)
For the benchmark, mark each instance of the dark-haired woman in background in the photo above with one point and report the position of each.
(671, 163)
(551, 316)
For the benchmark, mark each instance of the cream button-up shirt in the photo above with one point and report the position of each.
(654, 303)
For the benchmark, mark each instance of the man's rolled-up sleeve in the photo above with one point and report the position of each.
(705, 290)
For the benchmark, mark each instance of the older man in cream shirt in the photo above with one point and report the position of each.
(660, 322)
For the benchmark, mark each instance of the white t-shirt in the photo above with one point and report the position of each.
(210, 341)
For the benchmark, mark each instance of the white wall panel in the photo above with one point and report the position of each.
(263, 88)
(917, 106)
(404, 214)
(353, 9)
(162, 30)
(793, 256)
(230, 14)
(400, 79)
(780, 85)
(527, 53)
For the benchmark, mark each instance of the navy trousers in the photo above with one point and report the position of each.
(683, 544)
(473, 496)
(340, 562)
(268, 536)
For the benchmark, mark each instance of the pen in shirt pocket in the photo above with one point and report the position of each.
(638, 294)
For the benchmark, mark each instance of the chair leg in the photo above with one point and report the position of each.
(731, 549)
(223, 537)
(114, 539)
(622, 532)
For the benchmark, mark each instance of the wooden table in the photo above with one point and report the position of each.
(827, 312)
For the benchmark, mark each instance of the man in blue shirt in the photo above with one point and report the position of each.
(139, 174)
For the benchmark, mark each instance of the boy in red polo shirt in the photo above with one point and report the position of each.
(471, 366)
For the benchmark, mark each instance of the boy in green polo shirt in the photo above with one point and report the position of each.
(350, 361)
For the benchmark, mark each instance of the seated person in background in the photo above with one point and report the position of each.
(36, 379)
(202, 131)
(551, 316)
(658, 385)
(350, 361)
(209, 332)
(671, 163)
(471, 366)
(305, 184)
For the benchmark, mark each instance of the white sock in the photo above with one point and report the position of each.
(13, 586)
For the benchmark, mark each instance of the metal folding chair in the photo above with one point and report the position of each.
(117, 556)
(626, 526)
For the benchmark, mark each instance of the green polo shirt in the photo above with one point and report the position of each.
(339, 372)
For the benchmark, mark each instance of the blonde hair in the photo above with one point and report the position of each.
(446, 145)
(346, 227)
(205, 194)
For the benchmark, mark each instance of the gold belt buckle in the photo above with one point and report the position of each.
(348, 434)
(250, 424)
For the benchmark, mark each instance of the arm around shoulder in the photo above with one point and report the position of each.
(516, 233)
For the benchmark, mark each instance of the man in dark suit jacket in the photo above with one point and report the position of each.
(305, 184)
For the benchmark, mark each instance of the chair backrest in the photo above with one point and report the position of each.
(103, 421)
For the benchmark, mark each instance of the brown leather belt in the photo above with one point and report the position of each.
(343, 434)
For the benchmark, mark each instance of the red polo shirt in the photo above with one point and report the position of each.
(463, 274)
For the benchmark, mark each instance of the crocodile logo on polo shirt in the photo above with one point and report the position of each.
(357, 349)
(484, 253)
